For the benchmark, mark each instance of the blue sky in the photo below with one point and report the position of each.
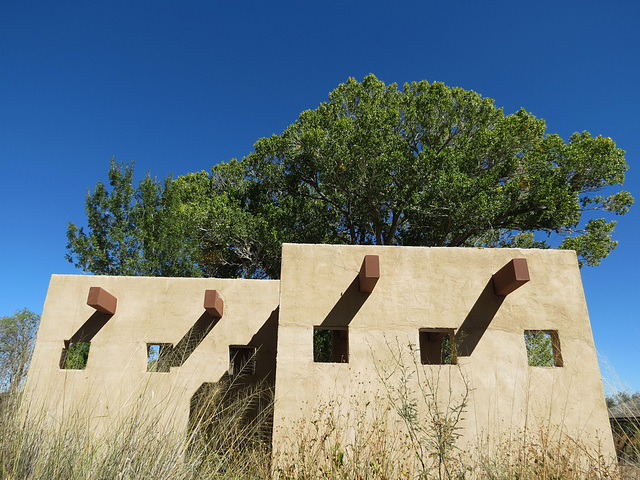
(180, 86)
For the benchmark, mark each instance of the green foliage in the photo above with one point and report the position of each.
(17, 338)
(77, 355)
(143, 230)
(322, 346)
(594, 244)
(621, 397)
(539, 349)
(159, 357)
(447, 355)
(424, 164)
(243, 229)
(439, 166)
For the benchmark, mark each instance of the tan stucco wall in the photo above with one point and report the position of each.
(115, 382)
(418, 288)
(440, 288)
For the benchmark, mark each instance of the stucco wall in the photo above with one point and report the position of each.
(418, 288)
(448, 288)
(115, 381)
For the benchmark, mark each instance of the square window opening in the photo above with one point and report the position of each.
(74, 355)
(159, 357)
(543, 348)
(437, 346)
(242, 360)
(330, 345)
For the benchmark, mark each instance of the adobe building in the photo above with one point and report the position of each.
(152, 344)
(333, 331)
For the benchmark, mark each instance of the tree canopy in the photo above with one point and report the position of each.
(143, 230)
(425, 164)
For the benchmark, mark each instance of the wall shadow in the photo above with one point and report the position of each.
(347, 307)
(91, 327)
(194, 337)
(242, 402)
(477, 321)
(266, 342)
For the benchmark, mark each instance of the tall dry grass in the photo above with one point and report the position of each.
(380, 436)
(389, 435)
(626, 430)
(223, 442)
(626, 436)
(375, 448)
(347, 439)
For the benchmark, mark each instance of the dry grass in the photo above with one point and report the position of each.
(223, 443)
(410, 429)
(379, 435)
(626, 436)
(377, 447)
(350, 439)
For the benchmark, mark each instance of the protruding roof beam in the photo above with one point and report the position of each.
(102, 300)
(213, 303)
(510, 277)
(369, 273)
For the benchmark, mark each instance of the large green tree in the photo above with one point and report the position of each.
(146, 229)
(439, 166)
(425, 164)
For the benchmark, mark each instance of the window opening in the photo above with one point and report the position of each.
(543, 348)
(437, 346)
(330, 345)
(242, 360)
(159, 357)
(74, 355)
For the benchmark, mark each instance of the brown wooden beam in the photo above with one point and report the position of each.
(369, 273)
(510, 277)
(102, 300)
(213, 303)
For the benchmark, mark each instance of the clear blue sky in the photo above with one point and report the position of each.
(180, 86)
